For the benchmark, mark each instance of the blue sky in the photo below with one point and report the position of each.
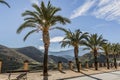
(93, 16)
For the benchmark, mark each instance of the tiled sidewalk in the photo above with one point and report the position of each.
(53, 75)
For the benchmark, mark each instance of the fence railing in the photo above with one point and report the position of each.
(61, 66)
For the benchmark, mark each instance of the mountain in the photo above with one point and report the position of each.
(12, 58)
(38, 55)
(31, 52)
(56, 59)
(89, 57)
(68, 54)
(13, 54)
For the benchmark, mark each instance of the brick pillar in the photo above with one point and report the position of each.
(80, 65)
(93, 65)
(105, 64)
(60, 66)
(26, 65)
(98, 64)
(71, 65)
(102, 64)
(111, 65)
(87, 65)
(0, 66)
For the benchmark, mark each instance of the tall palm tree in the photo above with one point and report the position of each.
(43, 18)
(115, 49)
(4, 2)
(106, 49)
(74, 39)
(94, 43)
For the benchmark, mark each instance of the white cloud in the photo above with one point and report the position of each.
(34, 1)
(109, 12)
(103, 2)
(104, 9)
(56, 39)
(82, 9)
(41, 47)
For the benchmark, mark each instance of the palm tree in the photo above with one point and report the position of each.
(74, 39)
(115, 49)
(106, 49)
(43, 18)
(2, 1)
(94, 43)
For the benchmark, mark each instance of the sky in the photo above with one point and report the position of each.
(93, 16)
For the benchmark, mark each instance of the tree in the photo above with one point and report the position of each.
(74, 39)
(43, 18)
(115, 49)
(106, 49)
(4, 2)
(94, 43)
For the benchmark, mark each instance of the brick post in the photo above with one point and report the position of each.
(60, 66)
(26, 65)
(71, 65)
(0, 66)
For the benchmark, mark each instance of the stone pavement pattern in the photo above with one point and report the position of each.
(104, 76)
(54, 75)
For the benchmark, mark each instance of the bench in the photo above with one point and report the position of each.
(22, 76)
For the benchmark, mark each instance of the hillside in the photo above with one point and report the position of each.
(68, 52)
(12, 54)
(89, 57)
(13, 58)
(37, 55)
(31, 52)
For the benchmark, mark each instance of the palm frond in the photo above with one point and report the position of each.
(26, 24)
(29, 34)
(2, 1)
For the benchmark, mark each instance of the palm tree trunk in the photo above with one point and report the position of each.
(46, 41)
(76, 58)
(107, 59)
(95, 59)
(115, 62)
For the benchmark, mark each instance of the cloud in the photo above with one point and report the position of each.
(34, 1)
(41, 47)
(109, 12)
(56, 39)
(82, 9)
(103, 2)
(103, 9)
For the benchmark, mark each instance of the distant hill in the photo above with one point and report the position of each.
(13, 58)
(31, 52)
(14, 55)
(38, 55)
(68, 54)
(90, 58)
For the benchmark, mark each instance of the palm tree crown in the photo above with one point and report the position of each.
(43, 18)
(106, 48)
(94, 42)
(73, 39)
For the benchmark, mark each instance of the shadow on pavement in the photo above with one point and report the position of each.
(90, 76)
